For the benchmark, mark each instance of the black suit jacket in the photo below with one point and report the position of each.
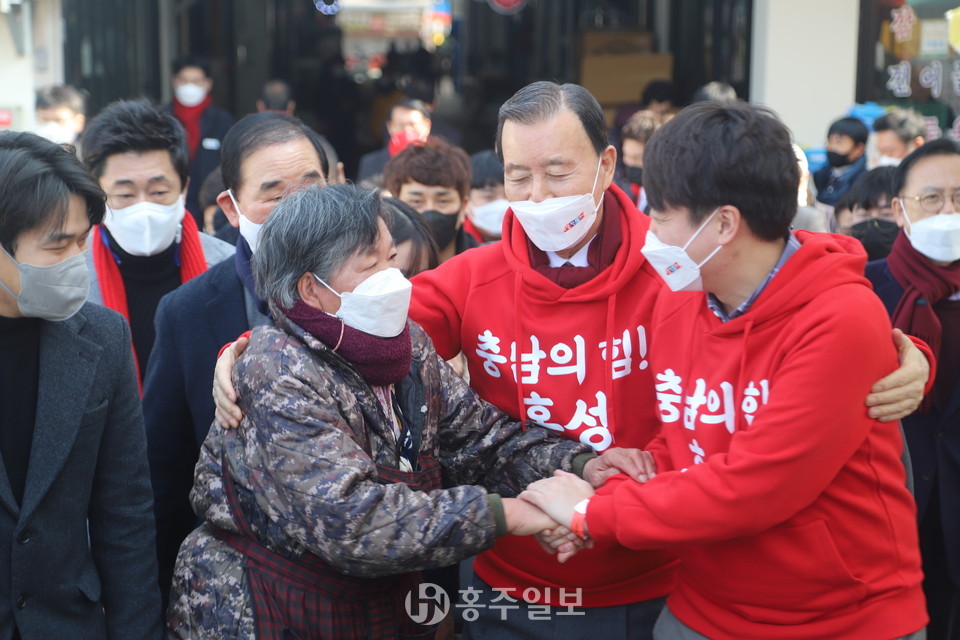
(76, 559)
(192, 323)
(934, 438)
(372, 164)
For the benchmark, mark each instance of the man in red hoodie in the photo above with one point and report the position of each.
(786, 500)
(555, 323)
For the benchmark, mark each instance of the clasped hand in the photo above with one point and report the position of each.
(556, 497)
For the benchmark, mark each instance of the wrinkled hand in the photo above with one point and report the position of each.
(228, 414)
(900, 393)
(635, 463)
(525, 519)
(562, 541)
(558, 495)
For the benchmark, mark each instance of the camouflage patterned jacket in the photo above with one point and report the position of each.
(305, 460)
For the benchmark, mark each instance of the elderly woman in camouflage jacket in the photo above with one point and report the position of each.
(324, 504)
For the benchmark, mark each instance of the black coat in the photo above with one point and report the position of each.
(193, 322)
(372, 164)
(934, 439)
(76, 559)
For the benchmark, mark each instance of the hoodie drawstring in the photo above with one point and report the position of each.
(739, 389)
(608, 378)
(517, 328)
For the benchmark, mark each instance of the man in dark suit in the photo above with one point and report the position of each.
(205, 123)
(76, 526)
(265, 155)
(919, 283)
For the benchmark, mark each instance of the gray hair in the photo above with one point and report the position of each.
(315, 230)
(543, 100)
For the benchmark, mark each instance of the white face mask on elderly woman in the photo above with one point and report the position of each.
(378, 305)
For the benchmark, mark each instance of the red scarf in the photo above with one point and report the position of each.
(381, 361)
(601, 254)
(924, 284)
(112, 291)
(189, 117)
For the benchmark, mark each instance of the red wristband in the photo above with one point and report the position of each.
(579, 520)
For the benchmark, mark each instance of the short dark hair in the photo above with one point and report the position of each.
(906, 123)
(850, 127)
(61, 95)
(872, 188)
(435, 163)
(713, 154)
(191, 60)
(256, 131)
(413, 105)
(486, 170)
(276, 95)
(659, 90)
(641, 126)
(37, 178)
(715, 92)
(844, 202)
(134, 125)
(543, 100)
(939, 147)
(406, 224)
(211, 188)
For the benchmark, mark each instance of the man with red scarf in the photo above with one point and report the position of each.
(205, 123)
(148, 244)
(919, 283)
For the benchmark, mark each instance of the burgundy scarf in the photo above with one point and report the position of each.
(381, 361)
(601, 254)
(924, 284)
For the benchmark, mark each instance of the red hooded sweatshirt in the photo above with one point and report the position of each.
(526, 337)
(788, 503)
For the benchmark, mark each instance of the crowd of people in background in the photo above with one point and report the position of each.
(652, 378)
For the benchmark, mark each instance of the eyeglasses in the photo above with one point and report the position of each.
(933, 202)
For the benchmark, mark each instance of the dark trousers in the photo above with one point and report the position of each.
(943, 595)
(533, 622)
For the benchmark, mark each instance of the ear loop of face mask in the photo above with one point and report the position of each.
(343, 325)
(903, 207)
(697, 232)
(596, 179)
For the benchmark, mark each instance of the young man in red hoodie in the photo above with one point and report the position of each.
(786, 501)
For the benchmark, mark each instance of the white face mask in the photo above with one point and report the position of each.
(53, 293)
(190, 95)
(489, 217)
(937, 237)
(145, 228)
(673, 264)
(248, 229)
(57, 133)
(558, 223)
(378, 305)
(886, 161)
